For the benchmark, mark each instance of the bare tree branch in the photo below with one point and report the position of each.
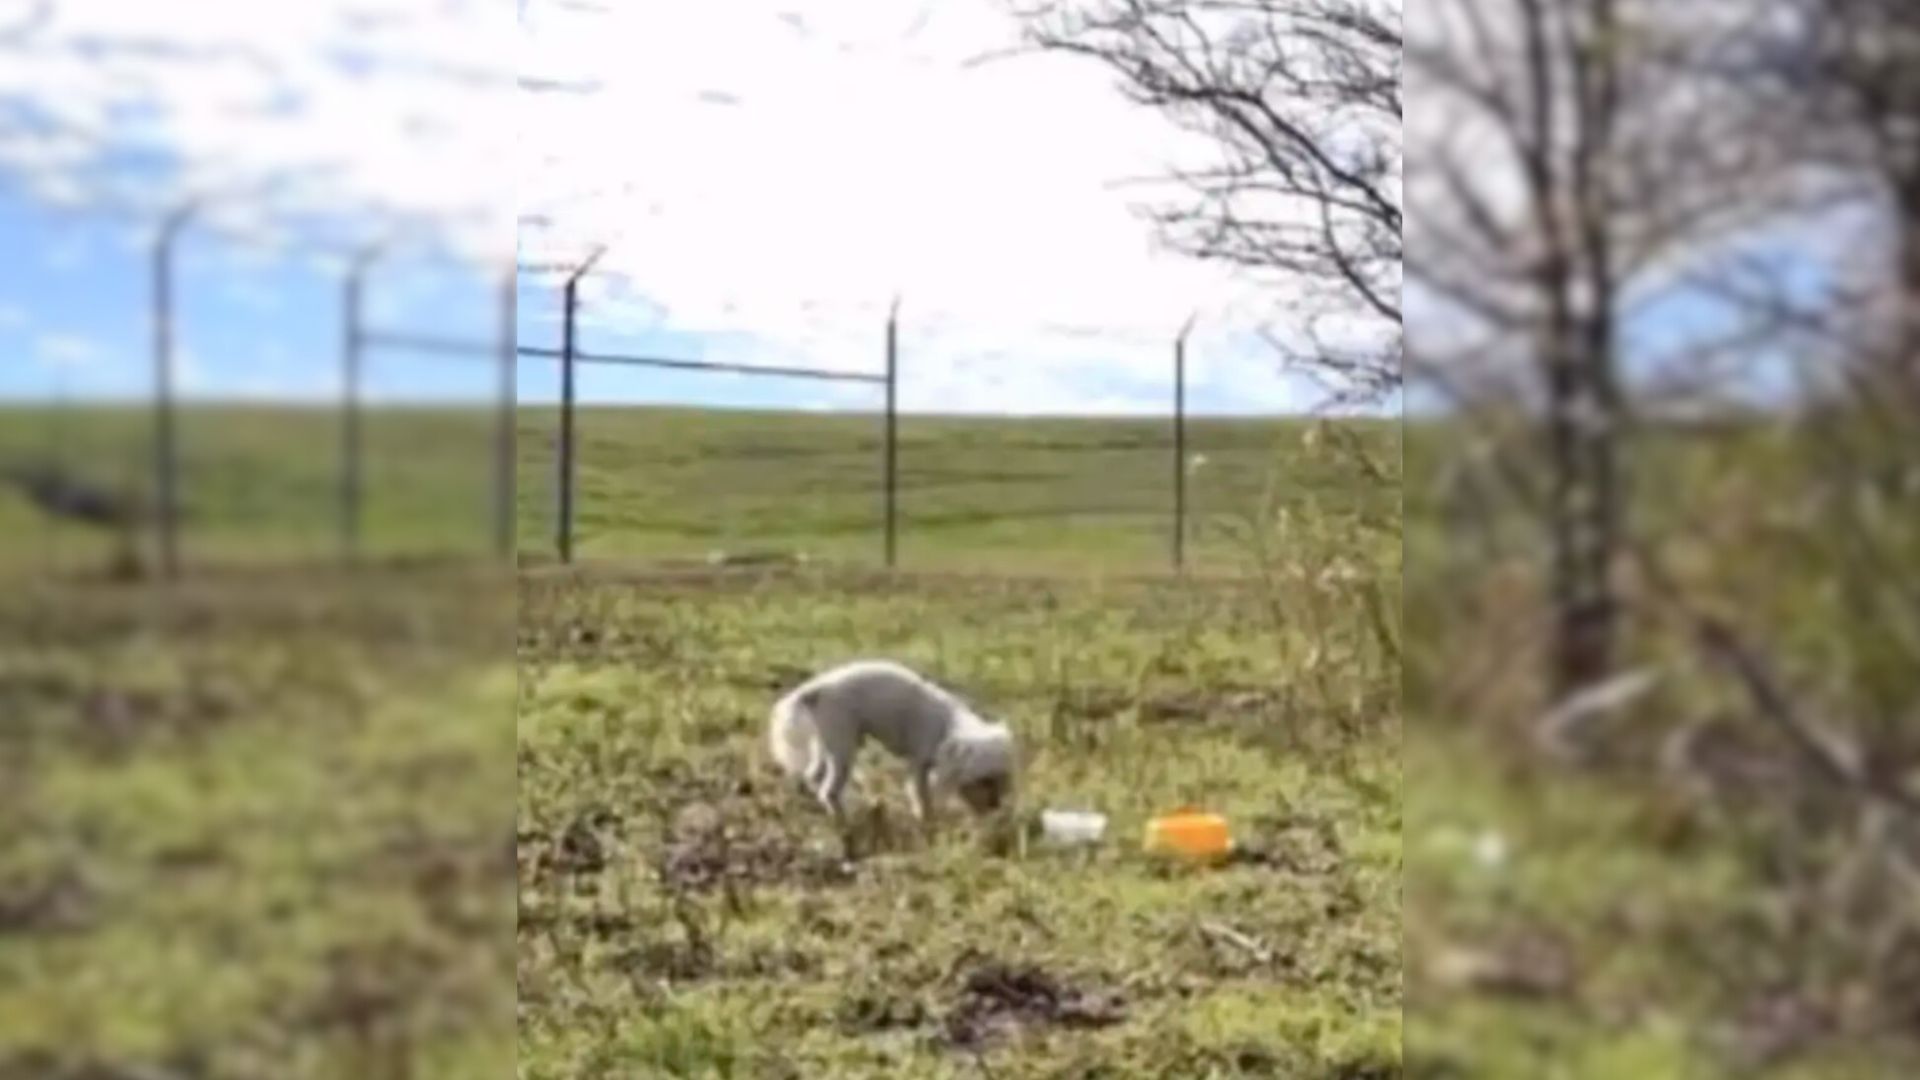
(1301, 101)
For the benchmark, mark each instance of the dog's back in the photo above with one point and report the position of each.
(878, 699)
(815, 732)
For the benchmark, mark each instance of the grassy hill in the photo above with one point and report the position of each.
(680, 483)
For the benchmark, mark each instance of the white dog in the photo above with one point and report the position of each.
(817, 729)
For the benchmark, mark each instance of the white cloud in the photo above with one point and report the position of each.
(66, 352)
(234, 92)
(857, 164)
(190, 375)
(759, 173)
(853, 163)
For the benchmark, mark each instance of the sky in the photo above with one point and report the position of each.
(1684, 344)
(766, 179)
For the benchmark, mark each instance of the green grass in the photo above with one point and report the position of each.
(683, 912)
(972, 492)
(262, 483)
(262, 869)
(255, 826)
(259, 484)
(1632, 928)
(1660, 927)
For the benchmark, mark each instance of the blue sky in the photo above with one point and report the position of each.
(767, 181)
(253, 323)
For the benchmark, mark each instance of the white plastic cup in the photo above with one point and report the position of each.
(1072, 827)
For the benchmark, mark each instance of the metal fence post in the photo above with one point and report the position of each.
(504, 503)
(892, 459)
(353, 346)
(564, 538)
(165, 456)
(1180, 446)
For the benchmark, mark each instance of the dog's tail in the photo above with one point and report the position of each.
(792, 736)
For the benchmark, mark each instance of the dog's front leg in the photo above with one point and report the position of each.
(920, 794)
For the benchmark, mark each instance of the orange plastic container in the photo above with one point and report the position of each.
(1190, 832)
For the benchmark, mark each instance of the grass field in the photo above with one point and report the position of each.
(259, 485)
(255, 826)
(1611, 918)
(685, 914)
(1020, 494)
(654, 484)
(243, 824)
(678, 913)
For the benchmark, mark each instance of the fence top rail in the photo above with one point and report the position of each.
(621, 360)
(430, 343)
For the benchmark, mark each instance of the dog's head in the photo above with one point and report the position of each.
(981, 767)
(987, 794)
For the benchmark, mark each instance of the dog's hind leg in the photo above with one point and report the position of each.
(831, 793)
(827, 782)
(812, 779)
(834, 755)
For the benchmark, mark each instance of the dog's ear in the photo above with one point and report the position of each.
(1004, 748)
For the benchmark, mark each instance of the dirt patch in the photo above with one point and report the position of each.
(1217, 703)
(453, 878)
(366, 986)
(1773, 1027)
(42, 1066)
(866, 1014)
(769, 962)
(720, 859)
(998, 1000)
(673, 961)
(581, 849)
(58, 901)
(722, 839)
(1521, 962)
(1301, 844)
(593, 639)
(105, 722)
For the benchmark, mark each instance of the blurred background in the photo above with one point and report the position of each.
(256, 686)
(1663, 538)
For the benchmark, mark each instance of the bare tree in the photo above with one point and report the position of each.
(1846, 73)
(1581, 163)
(1300, 100)
(1834, 87)
(1521, 191)
(1570, 164)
